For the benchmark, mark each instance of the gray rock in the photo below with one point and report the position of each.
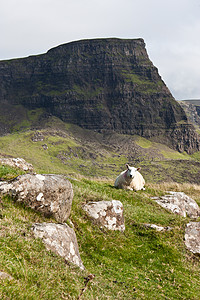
(179, 203)
(61, 239)
(157, 228)
(107, 214)
(192, 237)
(4, 275)
(50, 194)
(17, 163)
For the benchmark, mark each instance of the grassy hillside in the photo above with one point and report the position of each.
(137, 264)
(68, 149)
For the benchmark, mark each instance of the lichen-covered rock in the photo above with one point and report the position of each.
(50, 194)
(179, 203)
(61, 239)
(192, 237)
(107, 214)
(156, 227)
(17, 163)
(5, 276)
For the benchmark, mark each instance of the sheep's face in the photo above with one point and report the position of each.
(131, 171)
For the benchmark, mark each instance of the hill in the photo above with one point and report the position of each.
(40, 97)
(140, 263)
(100, 84)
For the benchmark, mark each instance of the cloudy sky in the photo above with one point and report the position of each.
(170, 28)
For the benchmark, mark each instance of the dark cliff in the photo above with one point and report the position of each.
(101, 84)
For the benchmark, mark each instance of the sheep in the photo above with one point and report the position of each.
(130, 179)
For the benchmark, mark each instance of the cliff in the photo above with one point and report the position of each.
(101, 84)
(192, 109)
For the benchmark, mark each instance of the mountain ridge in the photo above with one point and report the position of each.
(100, 84)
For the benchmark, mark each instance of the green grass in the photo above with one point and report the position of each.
(63, 154)
(137, 264)
(144, 143)
(7, 172)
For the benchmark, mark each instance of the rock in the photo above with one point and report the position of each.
(157, 228)
(107, 214)
(45, 147)
(50, 194)
(4, 275)
(192, 237)
(61, 239)
(179, 203)
(38, 137)
(17, 163)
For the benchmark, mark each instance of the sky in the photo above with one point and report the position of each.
(170, 29)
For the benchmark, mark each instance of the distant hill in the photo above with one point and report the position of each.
(99, 84)
(192, 101)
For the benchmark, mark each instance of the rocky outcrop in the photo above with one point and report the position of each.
(17, 163)
(50, 194)
(61, 239)
(100, 84)
(179, 203)
(107, 214)
(192, 237)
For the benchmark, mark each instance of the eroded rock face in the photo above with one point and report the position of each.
(50, 194)
(107, 214)
(17, 163)
(179, 203)
(61, 239)
(98, 84)
(192, 237)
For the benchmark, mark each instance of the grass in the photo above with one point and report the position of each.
(7, 173)
(144, 143)
(137, 264)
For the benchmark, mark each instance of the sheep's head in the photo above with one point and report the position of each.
(131, 171)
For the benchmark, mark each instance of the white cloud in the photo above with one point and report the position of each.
(170, 29)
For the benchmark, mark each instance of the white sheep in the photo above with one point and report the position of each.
(130, 179)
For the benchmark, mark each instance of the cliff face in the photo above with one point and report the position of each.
(101, 84)
(192, 109)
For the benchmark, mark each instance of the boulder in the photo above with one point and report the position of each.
(107, 214)
(179, 203)
(50, 194)
(192, 237)
(60, 239)
(5, 276)
(17, 163)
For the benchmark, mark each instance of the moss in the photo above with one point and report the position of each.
(144, 143)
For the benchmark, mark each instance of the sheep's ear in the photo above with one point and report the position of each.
(127, 166)
(138, 169)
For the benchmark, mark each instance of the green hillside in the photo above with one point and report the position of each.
(137, 264)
